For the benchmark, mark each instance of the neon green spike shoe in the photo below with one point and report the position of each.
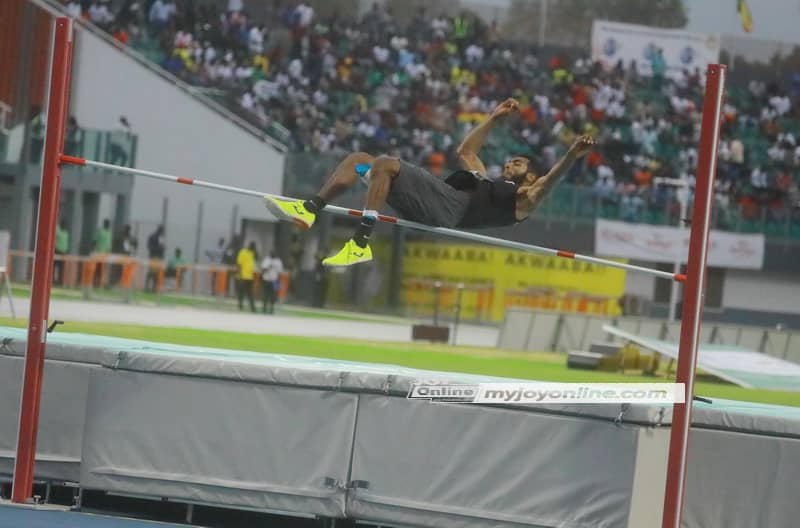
(349, 255)
(293, 211)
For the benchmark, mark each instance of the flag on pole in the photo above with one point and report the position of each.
(744, 14)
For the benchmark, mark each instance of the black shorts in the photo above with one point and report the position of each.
(419, 196)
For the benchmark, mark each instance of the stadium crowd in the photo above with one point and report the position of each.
(342, 84)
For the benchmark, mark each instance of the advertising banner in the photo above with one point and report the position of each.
(670, 244)
(613, 41)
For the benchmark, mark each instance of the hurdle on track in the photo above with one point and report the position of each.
(342, 211)
(694, 280)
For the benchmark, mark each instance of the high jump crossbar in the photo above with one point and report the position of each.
(343, 211)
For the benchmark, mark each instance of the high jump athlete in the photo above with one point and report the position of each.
(466, 199)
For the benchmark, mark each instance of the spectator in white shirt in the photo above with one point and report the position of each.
(243, 72)
(296, 68)
(737, 151)
(305, 14)
(381, 54)
(271, 269)
(398, 43)
(256, 39)
(161, 13)
(758, 178)
(474, 54)
(780, 104)
(99, 14)
(248, 102)
(74, 9)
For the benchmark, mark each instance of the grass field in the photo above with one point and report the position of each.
(541, 366)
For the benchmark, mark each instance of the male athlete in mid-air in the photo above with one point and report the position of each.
(467, 198)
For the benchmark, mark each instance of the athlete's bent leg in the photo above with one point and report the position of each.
(304, 213)
(383, 171)
(344, 176)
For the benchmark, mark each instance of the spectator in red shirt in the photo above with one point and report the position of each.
(121, 36)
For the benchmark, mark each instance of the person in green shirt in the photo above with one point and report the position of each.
(659, 65)
(173, 264)
(102, 245)
(62, 248)
(102, 238)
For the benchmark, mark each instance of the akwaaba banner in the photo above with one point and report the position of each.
(507, 270)
(670, 244)
(613, 41)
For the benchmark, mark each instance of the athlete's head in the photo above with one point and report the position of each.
(521, 170)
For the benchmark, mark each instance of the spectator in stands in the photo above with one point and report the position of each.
(271, 269)
(102, 238)
(101, 245)
(155, 252)
(100, 15)
(659, 65)
(62, 248)
(161, 14)
(120, 34)
(74, 9)
(124, 243)
(246, 264)
(72, 137)
(173, 264)
(120, 142)
(216, 257)
(344, 84)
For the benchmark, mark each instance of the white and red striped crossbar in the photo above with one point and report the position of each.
(342, 211)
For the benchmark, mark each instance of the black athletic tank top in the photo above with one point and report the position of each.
(492, 203)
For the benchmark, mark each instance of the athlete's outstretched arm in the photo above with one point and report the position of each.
(472, 144)
(535, 192)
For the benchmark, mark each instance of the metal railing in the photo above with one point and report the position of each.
(127, 276)
(112, 146)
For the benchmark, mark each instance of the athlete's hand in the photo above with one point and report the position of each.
(582, 145)
(506, 107)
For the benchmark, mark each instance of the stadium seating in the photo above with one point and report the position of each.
(339, 84)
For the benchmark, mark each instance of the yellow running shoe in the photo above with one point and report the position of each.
(293, 211)
(349, 255)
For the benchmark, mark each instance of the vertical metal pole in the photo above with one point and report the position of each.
(542, 21)
(198, 232)
(396, 269)
(458, 311)
(164, 213)
(683, 197)
(234, 221)
(436, 287)
(693, 296)
(43, 262)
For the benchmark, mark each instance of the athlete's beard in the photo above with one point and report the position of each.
(519, 180)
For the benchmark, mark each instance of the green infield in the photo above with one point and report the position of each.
(541, 366)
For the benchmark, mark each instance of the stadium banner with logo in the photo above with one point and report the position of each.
(515, 278)
(670, 244)
(613, 41)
